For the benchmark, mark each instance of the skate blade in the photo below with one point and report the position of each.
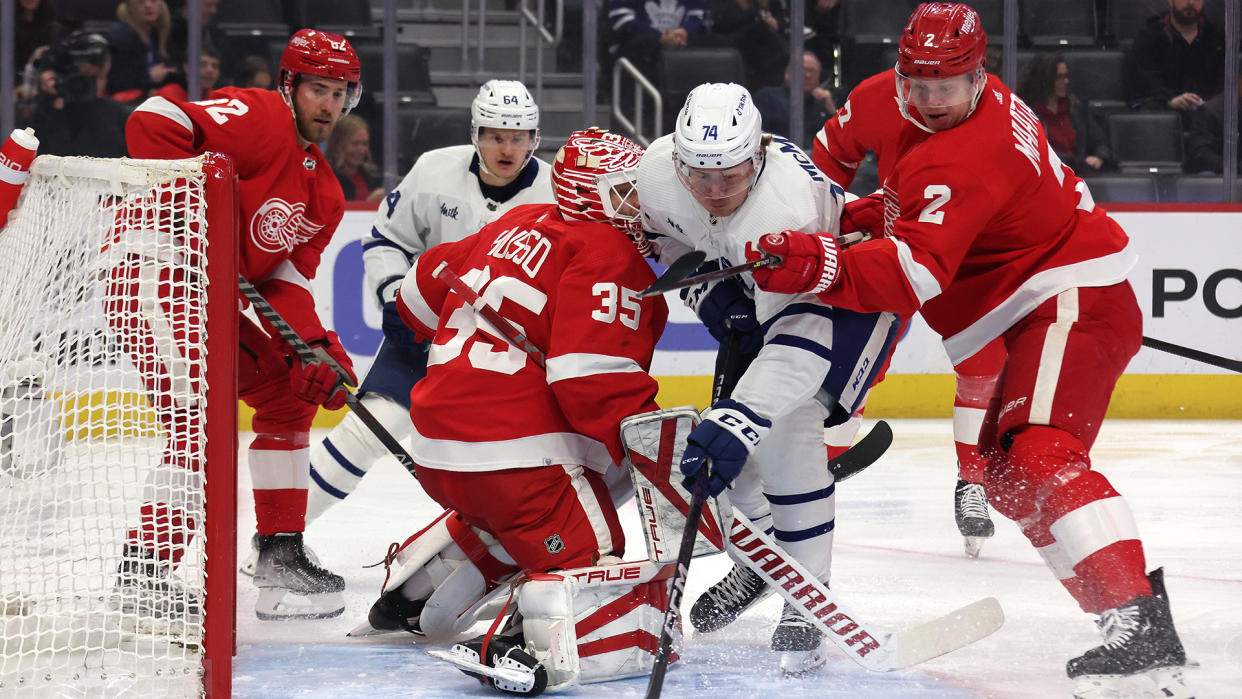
(508, 679)
(278, 603)
(800, 662)
(365, 629)
(1169, 683)
(973, 545)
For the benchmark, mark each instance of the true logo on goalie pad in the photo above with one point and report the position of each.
(554, 544)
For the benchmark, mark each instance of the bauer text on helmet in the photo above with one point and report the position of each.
(508, 113)
(718, 146)
(940, 65)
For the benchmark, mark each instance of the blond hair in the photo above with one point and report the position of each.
(163, 24)
(345, 129)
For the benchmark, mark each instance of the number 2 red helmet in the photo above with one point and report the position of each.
(942, 39)
(323, 55)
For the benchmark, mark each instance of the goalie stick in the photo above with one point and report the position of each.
(863, 643)
(307, 354)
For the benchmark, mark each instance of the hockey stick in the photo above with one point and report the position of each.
(1194, 354)
(308, 355)
(866, 452)
(865, 644)
(725, 379)
(510, 332)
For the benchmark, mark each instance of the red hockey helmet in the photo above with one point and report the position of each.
(594, 176)
(942, 39)
(324, 55)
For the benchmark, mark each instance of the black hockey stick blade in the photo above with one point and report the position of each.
(681, 268)
(867, 451)
(1191, 353)
(667, 283)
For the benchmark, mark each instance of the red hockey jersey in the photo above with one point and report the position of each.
(869, 120)
(572, 288)
(290, 202)
(982, 223)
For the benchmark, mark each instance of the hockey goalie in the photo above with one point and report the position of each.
(522, 446)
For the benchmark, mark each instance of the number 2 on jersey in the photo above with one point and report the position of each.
(939, 194)
(220, 110)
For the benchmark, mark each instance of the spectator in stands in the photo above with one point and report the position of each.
(35, 22)
(1177, 60)
(1045, 85)
(178, 35)
(73, 114)
(757, 29)
(349, 154)
(208, 77)
(255, 71)
(641, 29)
(139, 41)
(823, 18)
(817, 103)
(1205, 142)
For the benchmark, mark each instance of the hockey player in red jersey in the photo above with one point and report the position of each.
(868, 122)
(990, 235)
(290, 204)
(522, 453)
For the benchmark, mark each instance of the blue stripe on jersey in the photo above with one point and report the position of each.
(803, 344)
(799, 498)
(798, 309)
(804, 534)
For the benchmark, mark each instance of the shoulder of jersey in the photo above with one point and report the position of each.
(655, 174)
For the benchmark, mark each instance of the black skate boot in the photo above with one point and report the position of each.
(290, 585)
(800, 642)
(144, 587)
(727, 599)
(393, 612)
(1139, 638)
(508, 667)
(970, 509)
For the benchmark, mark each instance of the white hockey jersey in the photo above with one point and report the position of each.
(438, 201)
(790, 194)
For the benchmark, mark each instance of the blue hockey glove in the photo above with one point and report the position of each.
(724, 305)
(395, 329)
(728, 434)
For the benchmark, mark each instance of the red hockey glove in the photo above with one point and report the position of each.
(318, 382)
(809, 265)
(865, 214)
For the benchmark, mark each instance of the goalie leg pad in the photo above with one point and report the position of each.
(596, 624)
(654, 442)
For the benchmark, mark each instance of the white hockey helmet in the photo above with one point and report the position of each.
(718, 129)
(504, 104)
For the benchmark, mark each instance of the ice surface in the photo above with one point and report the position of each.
(898, 561)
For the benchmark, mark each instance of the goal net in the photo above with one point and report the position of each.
(117, 375)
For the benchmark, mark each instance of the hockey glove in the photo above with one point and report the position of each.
(865, 214)
(395, 329)
(724, 306)
(809, 262)
(318, 382)
(728, 434)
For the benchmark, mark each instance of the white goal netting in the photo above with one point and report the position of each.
(103, 317)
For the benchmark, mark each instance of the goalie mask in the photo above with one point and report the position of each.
(594, 178)
(323, 55)
(717, 142)
(940, 65)
(504, 104)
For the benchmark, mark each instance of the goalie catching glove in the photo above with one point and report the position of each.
(728, 434)
(808, 262)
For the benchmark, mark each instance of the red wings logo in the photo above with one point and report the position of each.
(279, 226)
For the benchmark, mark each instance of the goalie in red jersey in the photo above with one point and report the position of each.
(290, 204)
(991, 236)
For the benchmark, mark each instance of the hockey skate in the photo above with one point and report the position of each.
(290, 585)
(800, 643)
(145, 589)
(970, 509)
(252, 559)
(392, 612)
(508, 667)
(1139, 639)
(725, 601)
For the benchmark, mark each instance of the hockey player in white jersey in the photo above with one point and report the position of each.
(448, 194)
(716, 184)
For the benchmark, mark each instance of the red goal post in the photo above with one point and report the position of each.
(118, 351)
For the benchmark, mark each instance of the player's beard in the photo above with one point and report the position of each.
(1187, 15)
(311, 130)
